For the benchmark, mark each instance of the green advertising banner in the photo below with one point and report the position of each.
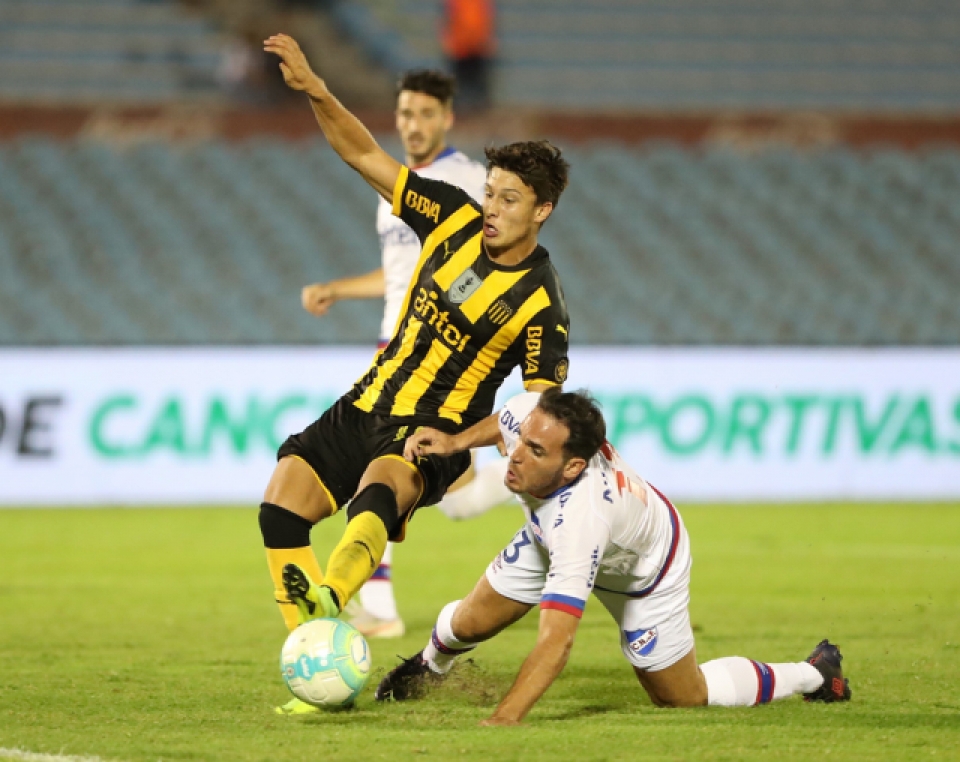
(202, 425)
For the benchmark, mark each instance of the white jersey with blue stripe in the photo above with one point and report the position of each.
(399, 245)
(608, 530)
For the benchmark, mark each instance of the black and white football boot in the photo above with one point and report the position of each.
(407, 681)
(826, 658)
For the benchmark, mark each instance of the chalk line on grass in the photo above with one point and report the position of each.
(32, 756)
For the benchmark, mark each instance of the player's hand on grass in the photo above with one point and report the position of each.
(293, 64)
(427, 441)
(318, 298)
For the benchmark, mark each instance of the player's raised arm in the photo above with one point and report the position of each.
(547, 660)
(345, 133)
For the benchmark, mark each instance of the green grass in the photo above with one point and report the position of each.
(152, 634)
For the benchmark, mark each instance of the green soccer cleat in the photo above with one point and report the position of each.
(295, 706)
(313, 601)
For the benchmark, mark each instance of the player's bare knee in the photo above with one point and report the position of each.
(296, 488)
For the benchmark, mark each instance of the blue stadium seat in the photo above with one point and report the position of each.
(106, 51)
(697, 54)
(211, 244)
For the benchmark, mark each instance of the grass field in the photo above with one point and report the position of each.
(152, 634)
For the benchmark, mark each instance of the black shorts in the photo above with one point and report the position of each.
(343, 441)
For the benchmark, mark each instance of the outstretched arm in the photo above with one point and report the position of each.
(427, 441)
(320, 297)
(345, 133)
(540, 668)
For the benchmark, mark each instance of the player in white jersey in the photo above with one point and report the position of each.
(399, 245)
(593, 525)
(424, 116)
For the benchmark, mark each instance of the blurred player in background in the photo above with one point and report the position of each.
(484, 299)
(424, 116)
(593, 525)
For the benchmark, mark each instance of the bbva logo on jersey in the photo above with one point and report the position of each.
(423, 205)
(534, 342)
(642, 642)
(512, 424)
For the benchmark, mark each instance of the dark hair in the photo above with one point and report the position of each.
(430, 82)
(537, 162)
(580, 413)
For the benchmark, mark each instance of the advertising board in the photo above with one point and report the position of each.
(202, 425)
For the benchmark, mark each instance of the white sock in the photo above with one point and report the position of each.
(735, 681)
(444, 648)
(376, 595)
(480, 495)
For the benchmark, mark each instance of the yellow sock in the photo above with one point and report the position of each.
(356, 556)
(277, 558)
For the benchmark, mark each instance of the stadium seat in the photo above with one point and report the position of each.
(211, 244)
(106, 51)
(696, 54)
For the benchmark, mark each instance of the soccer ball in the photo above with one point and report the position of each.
(325, 662)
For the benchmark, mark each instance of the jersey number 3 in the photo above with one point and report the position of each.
(511, 554)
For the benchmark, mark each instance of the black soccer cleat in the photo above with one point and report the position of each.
(312, 601)
(826, 658)
(407, 681)
(298, 584)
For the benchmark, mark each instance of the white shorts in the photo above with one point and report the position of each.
(655, 630)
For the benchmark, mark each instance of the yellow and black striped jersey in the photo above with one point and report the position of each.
(466, 321)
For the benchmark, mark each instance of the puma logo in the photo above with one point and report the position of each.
(373, 561)
(562, 330)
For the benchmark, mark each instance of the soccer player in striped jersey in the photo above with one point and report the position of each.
(593, 525)
(483, 300)
(424, 115)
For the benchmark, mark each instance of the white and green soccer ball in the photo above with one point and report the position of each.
(325, 662)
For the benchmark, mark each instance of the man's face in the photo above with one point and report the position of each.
(422, 122)
(510, 210)
(538, 465)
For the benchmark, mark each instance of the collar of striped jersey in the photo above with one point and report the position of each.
(533, 258)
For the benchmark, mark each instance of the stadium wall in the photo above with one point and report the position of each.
(807, 129)
(201, 425)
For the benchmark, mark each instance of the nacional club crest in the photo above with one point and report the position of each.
(642, 642)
